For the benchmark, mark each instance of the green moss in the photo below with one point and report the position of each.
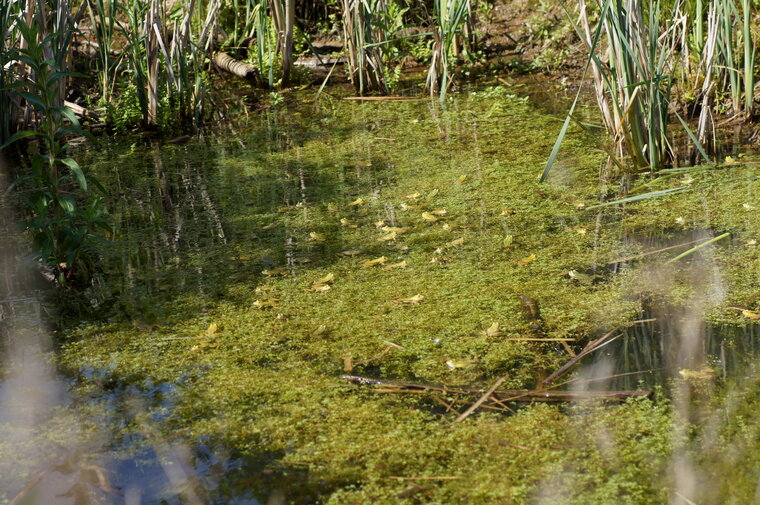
(196, 249)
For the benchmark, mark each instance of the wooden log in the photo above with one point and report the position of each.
(236, 67)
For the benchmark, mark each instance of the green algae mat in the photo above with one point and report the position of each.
(399, 240)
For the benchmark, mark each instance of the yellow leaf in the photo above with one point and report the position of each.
(414, 300)
(729, 160)
(377, 261)
(269, 226)
(436, 260)
(440, 212)
(751, 314)
(492, 331)
(332, 208)
(412, 196)
(462, 179)
(387, 238)
(526, 260)
(432, 194)
(406, 207)
(357, 202)
(393, 266)
(455, 243)
(379, 224)
(427, 216)
(446, 227)
(316, 237)
(581, 230)
(350, 252)
(507, 242)
(211, 330)
(507, 212)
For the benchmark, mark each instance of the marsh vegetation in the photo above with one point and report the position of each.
(377, 251)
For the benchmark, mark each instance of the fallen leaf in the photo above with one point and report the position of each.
(439, 212)
(406, 207)
(414, 300)
(377, 261)
(507, 212)
(345, 222)
(388, 237)
(526, 260)
(379, 224)
(350, 252)
(412, 196)
(492, 331)
(440, 259)
(269, 226)
(462, 179)
(432, 194)
(430, 218)
(580, 230)
(507, 242)
(751, 314)
(394, 266)
(332, 208)
(728, 160)
(356, 203)
(455, 243)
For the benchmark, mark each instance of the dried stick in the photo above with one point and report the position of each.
(480, 401)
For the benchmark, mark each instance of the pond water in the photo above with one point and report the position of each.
(253, 267)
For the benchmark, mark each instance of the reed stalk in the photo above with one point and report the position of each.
(362, 31)
(450, 17)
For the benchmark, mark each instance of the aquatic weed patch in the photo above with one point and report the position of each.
(386, 239)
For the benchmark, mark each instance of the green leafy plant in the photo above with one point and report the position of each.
(63, 219)
(450, 17)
